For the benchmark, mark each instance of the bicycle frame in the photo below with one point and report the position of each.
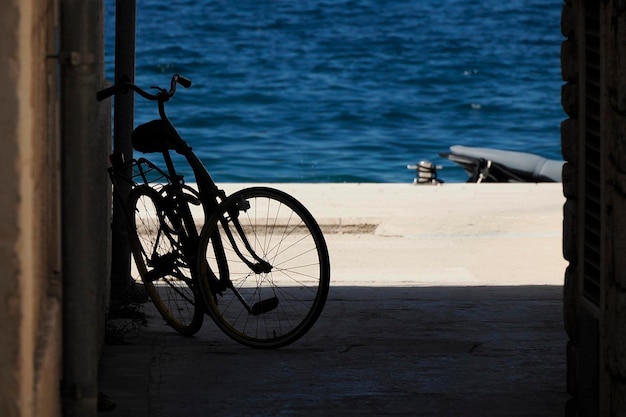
(209, 194)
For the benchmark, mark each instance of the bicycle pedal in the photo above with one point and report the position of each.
(264, 306)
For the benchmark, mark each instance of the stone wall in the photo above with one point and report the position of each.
(30, 311)
(596, 353)
(613, 340)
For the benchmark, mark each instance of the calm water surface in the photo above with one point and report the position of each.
(351, 91)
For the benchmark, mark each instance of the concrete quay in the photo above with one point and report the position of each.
(445, 301)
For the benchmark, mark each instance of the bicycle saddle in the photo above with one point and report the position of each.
(153, 136)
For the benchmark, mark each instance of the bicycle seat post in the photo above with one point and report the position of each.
(174, 177)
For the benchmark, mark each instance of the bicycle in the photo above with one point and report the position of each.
(258, 266)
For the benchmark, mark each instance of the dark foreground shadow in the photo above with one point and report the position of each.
(397, 351)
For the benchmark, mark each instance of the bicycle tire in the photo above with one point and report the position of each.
(155, 235)
(282, 302)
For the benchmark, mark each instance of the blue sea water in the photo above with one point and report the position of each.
(350, 90)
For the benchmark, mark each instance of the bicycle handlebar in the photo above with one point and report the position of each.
(124, 84)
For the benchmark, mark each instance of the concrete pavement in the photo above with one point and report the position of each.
(445, 301)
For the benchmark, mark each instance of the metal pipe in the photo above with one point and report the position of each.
(83, 210)
(123, 119)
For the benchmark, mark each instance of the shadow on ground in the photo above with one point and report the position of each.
(399, 351)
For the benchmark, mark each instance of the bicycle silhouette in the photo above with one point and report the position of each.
(258, 264)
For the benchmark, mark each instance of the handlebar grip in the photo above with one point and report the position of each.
(106, 93)
(121, 85)
(184, 81)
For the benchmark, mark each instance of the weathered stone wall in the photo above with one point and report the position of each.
(610, 375)
(613, 342)
(30, 310)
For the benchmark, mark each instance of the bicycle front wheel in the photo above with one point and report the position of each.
(263, 269)
(156, 235)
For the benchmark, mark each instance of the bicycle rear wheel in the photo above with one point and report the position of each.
(264, 269)
(155, 234)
